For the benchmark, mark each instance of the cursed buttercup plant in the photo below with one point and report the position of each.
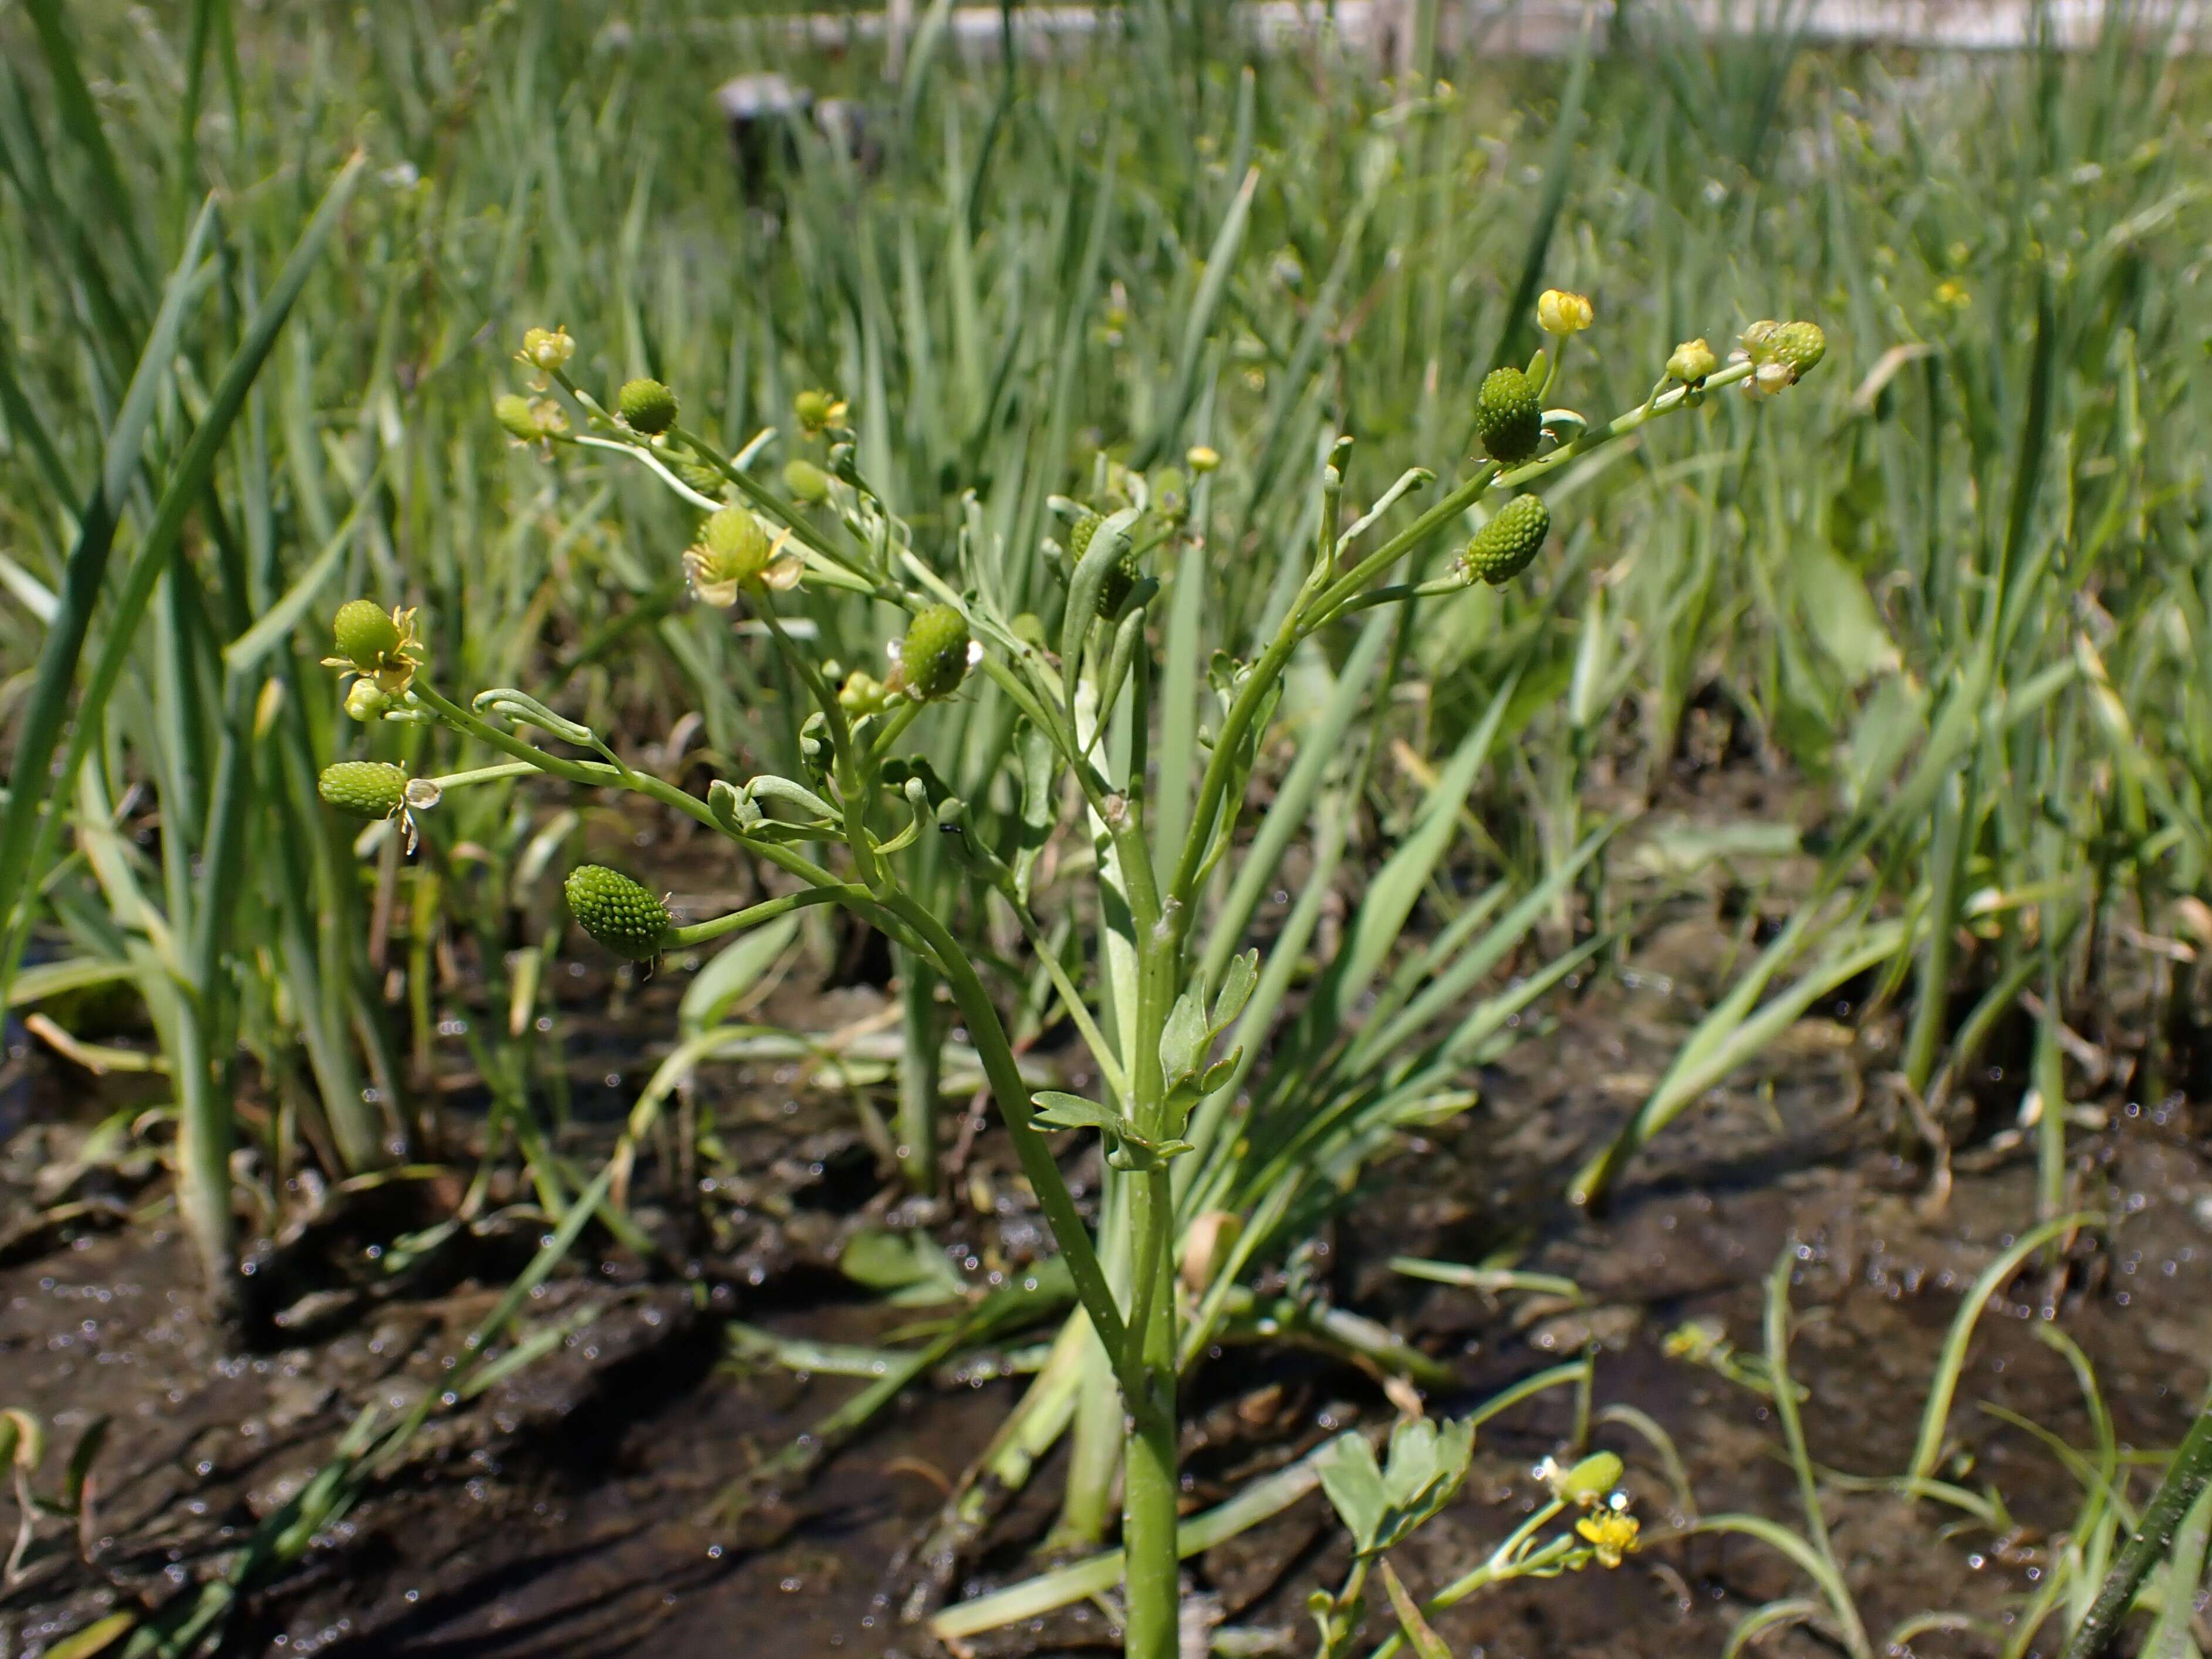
(1079, 686)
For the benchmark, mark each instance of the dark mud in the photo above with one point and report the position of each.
(573, 1509)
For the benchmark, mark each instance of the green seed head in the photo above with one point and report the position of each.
(818, 410)
(514, 412)
(647, 405)
(1078, 536)
(1799, 347)
(365, 789)
(700, 476)
(1509, 415)
(806, 481)
(1121, 577)
(621, 915)
(1502, 548)
(934, 660)
(738, 540)
(1590, 1480)
(365, 633)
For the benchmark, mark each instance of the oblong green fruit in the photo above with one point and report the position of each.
(1800, 346)
(647, 405)
(805, 482)
(1502, 548)
(364, 633)
(620, 913)
(934, 660)
(366, 789)
(1509, 415)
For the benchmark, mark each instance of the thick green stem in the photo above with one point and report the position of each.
(204, 1145)
(2185, 1477)
(1148, 1490)
(922, 1025)
(702, 933)
(1004, 1075)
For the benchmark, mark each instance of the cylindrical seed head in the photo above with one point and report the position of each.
(1509, 415)
(626, 918)
(1799, 347)
(364, 789)
(933, 658)
(1502, 548)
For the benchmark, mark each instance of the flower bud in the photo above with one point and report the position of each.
(1502, 548)
(366, 700)
(1693, 360)
(364, 789)
(616, 911)
(547, 349)
(365, 633)
(1509, 415)
(863, 695)
(805, 482)
(646, 406)
(1562, 314)
(1201, 459)
(934, 660)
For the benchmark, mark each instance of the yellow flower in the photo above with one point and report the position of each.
(1952, 296)
(1611, 1535)
(1202, 459)
(1563, 313)
(547, 350)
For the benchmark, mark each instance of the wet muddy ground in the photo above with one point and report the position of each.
(572, 1509)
